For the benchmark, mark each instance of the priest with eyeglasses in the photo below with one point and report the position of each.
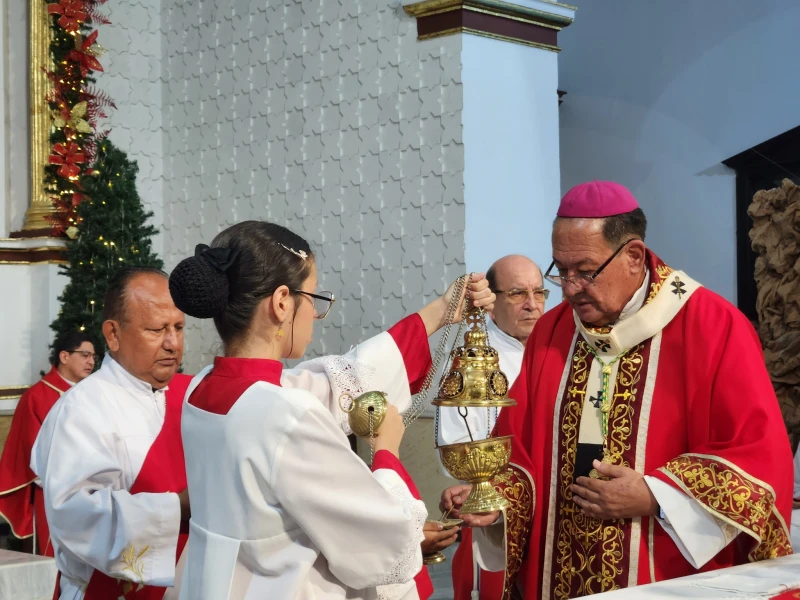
(647, 440)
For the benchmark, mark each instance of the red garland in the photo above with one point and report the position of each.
(87, 61)
(72, 12)
(75, 103)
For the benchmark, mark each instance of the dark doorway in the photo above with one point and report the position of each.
(762, 167)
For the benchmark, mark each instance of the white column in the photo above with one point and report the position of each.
(509, 81)
(28, 303)
(511, 154)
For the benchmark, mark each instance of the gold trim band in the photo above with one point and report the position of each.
(39, 249)
(35, 237)
(494, 36)
(34, 262)
(496, 8)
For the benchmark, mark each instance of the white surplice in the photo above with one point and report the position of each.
(94, 441)
(88, 454)
(452, 429)
(290, 511)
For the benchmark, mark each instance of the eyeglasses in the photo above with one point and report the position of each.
(322, 302)
(517, 296)
(582, 279)
(84, 353)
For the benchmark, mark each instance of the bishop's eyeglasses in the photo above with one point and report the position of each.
(581, 279)
(322, 302)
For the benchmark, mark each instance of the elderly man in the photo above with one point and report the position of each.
(648, 442)
(110, 456)
(21, 500)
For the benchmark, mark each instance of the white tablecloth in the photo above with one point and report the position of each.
(751, 581)
(26, 577)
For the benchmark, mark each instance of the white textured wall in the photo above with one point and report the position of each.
(658, 93)
(332, 119)
(133, 79)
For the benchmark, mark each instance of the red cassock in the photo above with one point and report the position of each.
(20, 499)
(693, 406)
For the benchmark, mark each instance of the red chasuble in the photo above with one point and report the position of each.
(692, 406)
(20, 498)
(163, 471)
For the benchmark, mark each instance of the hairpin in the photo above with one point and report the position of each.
(302, 253)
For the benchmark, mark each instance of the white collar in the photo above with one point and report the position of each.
(496, 333)
(115, 372)
(637, 302)
(71, 383)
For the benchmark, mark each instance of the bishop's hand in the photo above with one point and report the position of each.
(625, 495)
(454, 497)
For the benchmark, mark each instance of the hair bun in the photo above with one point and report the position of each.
(198, 289)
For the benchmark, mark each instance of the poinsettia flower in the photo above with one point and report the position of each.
(73, 119)
(73, 13)
(69, 156)
(85, 53)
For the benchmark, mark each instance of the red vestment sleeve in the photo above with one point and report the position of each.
(16, 499)
(412, 341)
(739, 466)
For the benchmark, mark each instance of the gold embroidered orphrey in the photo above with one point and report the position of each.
(662, 272)
(516, 485)
(592, 555)
(734, 497)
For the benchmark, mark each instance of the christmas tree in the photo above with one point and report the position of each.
(111, 232)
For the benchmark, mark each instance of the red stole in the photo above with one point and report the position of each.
(163, 471)
(20, 499)
(678, 414)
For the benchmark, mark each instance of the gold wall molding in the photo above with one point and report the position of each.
(517, 12)
(493, 36)
(34, 262)
(13, 391)
(494, 19)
